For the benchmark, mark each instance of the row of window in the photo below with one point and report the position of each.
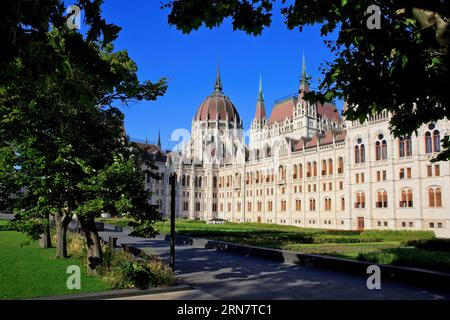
(406, 198)
(432, 144)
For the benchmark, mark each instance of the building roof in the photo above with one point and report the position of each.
(152, 151)
(328, 111)
(217, 106)
(283, 109)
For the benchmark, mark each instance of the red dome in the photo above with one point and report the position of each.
(217, 106)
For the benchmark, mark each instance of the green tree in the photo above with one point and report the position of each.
(401, 67)
(59, 92)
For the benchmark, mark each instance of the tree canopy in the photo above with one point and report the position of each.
(62, 143)
(402, 67)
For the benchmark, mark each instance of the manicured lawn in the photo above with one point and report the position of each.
(28, 271)
(382, 246)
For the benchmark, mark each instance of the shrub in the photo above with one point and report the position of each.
(76, 246)
(432, 244)
(121, 270)
(397, 235)
(343, 239)
(412, 257)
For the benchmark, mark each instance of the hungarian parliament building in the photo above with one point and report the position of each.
(304, 165)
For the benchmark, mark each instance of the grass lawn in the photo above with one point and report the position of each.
(29, 271)
(381, 246)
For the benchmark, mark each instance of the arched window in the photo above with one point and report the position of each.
(360, 153)
(357, 159)
(431, 199)
(401, 147)
(404, 146)
(183, 180)
(312, 204)
(315, 169)
(382, 200)
(428, 142)
(294, 172)
(300, 171)
(330, 166)
(188, 180)
(384, 150)
(437, 193)
(298, 205)
(381, 148)
(324, 167)
(341, 165)
(342, 203)
(360, 201)
(436, 141)
(434, 197)
(327, 204)
(281, 173)
(406, 200)
(308, 170)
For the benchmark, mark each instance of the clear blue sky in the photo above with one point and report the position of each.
(189, 62)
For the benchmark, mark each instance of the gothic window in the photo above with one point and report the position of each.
(340, 165)
(294, 172)
(330, 166)
(434, 197)
(381, 148)
(315, 169)
(308, 170)
(360, 202)
(312, 204)
(298, 205)
(428, 142)
(360, 152)
(382, 201)
(406, 200)
(436, 141)
(404, 147)
(324, 167)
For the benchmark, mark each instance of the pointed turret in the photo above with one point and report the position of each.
(304, 84)
(260, 114)
(218, 83)
(159, 139)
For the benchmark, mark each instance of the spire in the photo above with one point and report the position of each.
(304, 84)
(218, 84)
(260, 93)
(260, 107)
(159, 139)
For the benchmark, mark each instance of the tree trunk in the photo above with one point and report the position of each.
(62, 221)
(46, 241)
(94, 249)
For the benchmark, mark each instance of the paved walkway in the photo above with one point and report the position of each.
(230, 276)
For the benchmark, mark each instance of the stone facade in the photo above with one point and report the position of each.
(306, 166)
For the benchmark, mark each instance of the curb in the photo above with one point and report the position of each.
(117, 293)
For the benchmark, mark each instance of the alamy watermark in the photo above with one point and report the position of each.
(374, 20)
(374, 280)
(73, 17)
(74, 279)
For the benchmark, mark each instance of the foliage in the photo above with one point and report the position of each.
(61, 130)
(76, 246)
(431, 244)
(419, 258)
(121, 270)
(398, 235)
(402, 67)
